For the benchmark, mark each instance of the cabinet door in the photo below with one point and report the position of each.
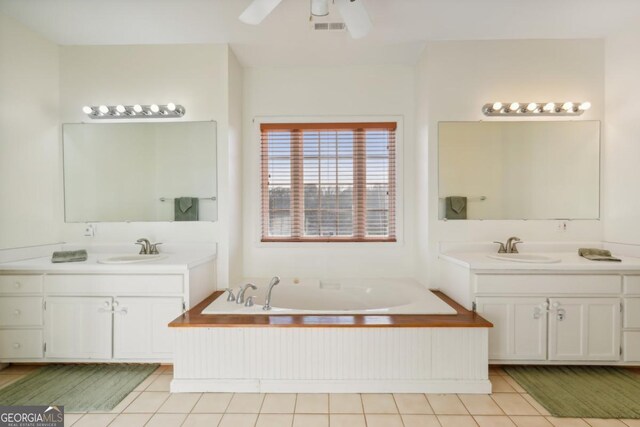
(584, 329)
(140, 327)
(78, 327)
(519, 327)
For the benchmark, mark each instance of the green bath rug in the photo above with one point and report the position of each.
(581, 391)
(79, 387)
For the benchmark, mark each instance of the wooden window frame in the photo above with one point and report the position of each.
(359, 182)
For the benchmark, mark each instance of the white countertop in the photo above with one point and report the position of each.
(178, 263)
(569, 261)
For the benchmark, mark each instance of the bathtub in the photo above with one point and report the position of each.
(309, 296)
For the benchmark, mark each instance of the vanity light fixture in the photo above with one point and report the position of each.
(535, 108)
(137, 111)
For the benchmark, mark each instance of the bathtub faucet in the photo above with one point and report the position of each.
(267, 301)
(240, 298)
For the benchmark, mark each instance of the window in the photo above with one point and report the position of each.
(328, 182)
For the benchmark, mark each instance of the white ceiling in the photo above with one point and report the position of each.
(285, 38)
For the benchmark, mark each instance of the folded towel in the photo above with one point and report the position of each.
(456, 207)
(69, 256)
(186, 209)
(597, 254)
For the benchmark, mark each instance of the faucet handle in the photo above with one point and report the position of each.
(154, 249)
(230, 297)
(514, 249)
(249, 302)
(142, 248)
(501, 249)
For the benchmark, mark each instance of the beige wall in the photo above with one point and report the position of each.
(30, 156)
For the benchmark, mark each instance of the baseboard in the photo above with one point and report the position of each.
(330, 386)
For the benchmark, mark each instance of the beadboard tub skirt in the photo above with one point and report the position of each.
(331, 360)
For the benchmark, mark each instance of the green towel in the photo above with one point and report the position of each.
(69, 256)
(456, 207)
(186, 209)
(597, 254)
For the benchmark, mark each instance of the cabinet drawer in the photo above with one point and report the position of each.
(631, 350)
(547, 284)
(632, 312)
(20, 284)
(105, 284)
(21, 344)
(20, 311)
(632, 285)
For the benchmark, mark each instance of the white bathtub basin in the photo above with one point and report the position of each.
(530, 258)
(376, 296)
(128, 259)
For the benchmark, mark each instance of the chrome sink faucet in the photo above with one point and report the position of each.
(240, 297)
(267, 301)
(147, 248)
(510, 247)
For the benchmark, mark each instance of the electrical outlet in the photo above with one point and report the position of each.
(90, 230)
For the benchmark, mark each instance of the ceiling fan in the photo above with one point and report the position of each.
(353, 13)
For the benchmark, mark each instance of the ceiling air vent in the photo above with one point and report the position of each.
(329, 26)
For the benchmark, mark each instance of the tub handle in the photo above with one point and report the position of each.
(230, 297)
(249, 302)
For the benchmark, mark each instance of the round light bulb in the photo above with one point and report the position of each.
(514, 106)
(497, 106)
(137, 108)
(87, 110)
(567, 106)
(154, 108)
(532, 107)
(103, 109)
(120, 108)
(585, 106)
(550, 106)
(171, 106)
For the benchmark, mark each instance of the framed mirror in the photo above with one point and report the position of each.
(146, 171)
(519, 170)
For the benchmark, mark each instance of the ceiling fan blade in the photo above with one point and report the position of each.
(356, 17)
(258, 10)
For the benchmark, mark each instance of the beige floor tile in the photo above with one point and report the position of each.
(379, 403)
(158, 371)
(632, 423)
(598, 422)
(161, 383)
(180, 403)
(312, 403)
(567, 422)
(238, 420)
(446, 404)
(146, 383)
(309, 420)
(480, 404)
(347, 420)
(130, 420)
(345, 403)
(275, 420)
(500, 385)
(70, 419)
(420, 420)
(245, 403)
(530, 421)
(95, 420)
(202, 420)
(19, 369)
(456, 421)
(278, 403)
(514, 404)
(412, 403)
(168, 370)
(212, 403)
(166, 420)
(533, 402)
(494, 421)
(147, 402)
(6, 380)
(383, 420)
(513, 383)
(125, 402)
(496, 370)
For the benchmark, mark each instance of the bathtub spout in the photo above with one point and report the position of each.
(267, 301)
(240, 298)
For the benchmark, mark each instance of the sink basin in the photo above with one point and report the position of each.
(128, 259)
(530, 258)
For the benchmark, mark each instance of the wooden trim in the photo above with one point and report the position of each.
(325, 126)
(463, 319)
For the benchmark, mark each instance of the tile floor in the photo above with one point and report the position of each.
(151, 404)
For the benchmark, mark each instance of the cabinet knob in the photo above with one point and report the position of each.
(106, 304)
(116, 303)
(17, 312)
(16, 345)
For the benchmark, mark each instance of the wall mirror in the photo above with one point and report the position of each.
(519, 170)
(153, 171)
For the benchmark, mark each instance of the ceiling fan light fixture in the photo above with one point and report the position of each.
(319, 7)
